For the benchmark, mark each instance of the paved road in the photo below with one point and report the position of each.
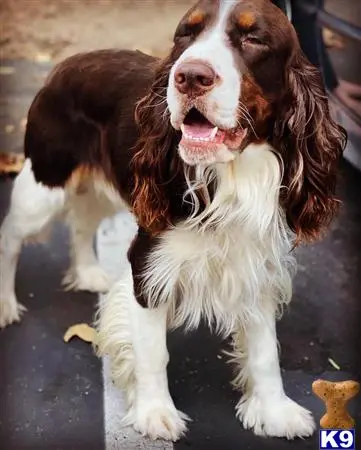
(52, 394)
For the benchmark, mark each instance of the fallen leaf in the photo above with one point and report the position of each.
(9, 128)
(81, 330)
(332, 39)
(42, 57)
(11, 163)
(7, 70)
(145, 50)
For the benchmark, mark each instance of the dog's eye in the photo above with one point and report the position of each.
(188, 31)
(253, 40)
(184, 31)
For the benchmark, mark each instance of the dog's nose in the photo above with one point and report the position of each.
(194, 78)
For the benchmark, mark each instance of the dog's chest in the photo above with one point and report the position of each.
(211, 275)
(222, 264)
(210, 261)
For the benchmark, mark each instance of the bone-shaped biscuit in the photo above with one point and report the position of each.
(336, 397)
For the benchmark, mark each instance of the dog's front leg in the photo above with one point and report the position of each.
(264, 406)
(134, 338)
(153, 412)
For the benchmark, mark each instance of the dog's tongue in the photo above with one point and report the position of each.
(202, 132)
(199, 130)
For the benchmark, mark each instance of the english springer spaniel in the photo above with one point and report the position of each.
(226, 154)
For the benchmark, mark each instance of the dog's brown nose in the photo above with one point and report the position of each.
(194, 78)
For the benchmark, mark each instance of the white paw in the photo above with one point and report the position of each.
(276, 416)
(87, 278)
(10, 311)
(157, 420)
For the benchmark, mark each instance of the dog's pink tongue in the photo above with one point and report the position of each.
(199, 130)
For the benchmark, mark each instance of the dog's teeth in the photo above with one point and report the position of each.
(214, 132)
(199, 139)
(209, 138)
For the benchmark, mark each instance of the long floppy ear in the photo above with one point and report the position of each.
(154, 151)
(311, 145)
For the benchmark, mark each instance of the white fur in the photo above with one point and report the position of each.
(221, 261)
(264, 405)
(135, 339)
(85, 209)
(115, 335)
(230, 265)
(222, 102)
(33, 208)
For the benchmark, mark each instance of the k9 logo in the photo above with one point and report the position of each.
(344, 439)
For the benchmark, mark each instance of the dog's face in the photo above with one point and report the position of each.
(236, 75)
(230, 59)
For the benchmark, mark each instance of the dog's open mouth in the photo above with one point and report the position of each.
(203, 137)
(197, 129)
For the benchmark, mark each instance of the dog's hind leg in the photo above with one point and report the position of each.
(86, 207)
(32, 208)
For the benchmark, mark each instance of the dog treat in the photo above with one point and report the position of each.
(336, 396)
(82, 330)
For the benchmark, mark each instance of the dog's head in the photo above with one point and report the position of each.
(236, 75)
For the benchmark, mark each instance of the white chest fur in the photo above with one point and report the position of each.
(221, 264)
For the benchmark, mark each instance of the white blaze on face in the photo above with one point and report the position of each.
(212, 47)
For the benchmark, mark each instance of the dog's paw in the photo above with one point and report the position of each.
(276, 416)
(10, 311)
(87, 278)
(157, 420)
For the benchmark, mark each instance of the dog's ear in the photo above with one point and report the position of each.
(152, 162)
(311, 145)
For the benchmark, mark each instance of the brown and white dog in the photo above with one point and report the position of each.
(226, 154)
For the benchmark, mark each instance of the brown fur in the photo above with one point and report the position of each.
(152, 152)
(246, 19)
(286, 99)
(83, 118)
(196, 17)
(259, 108)
(311, 145)
(106, 111)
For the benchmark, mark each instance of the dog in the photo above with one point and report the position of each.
(226, 154)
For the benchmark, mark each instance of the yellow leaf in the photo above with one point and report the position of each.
(9, 128)
(42, 57)
(81, 330)
(332, 39)
(11, 163)
(7, 70)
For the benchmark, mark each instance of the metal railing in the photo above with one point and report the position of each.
(325, 19)
(342, 27)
